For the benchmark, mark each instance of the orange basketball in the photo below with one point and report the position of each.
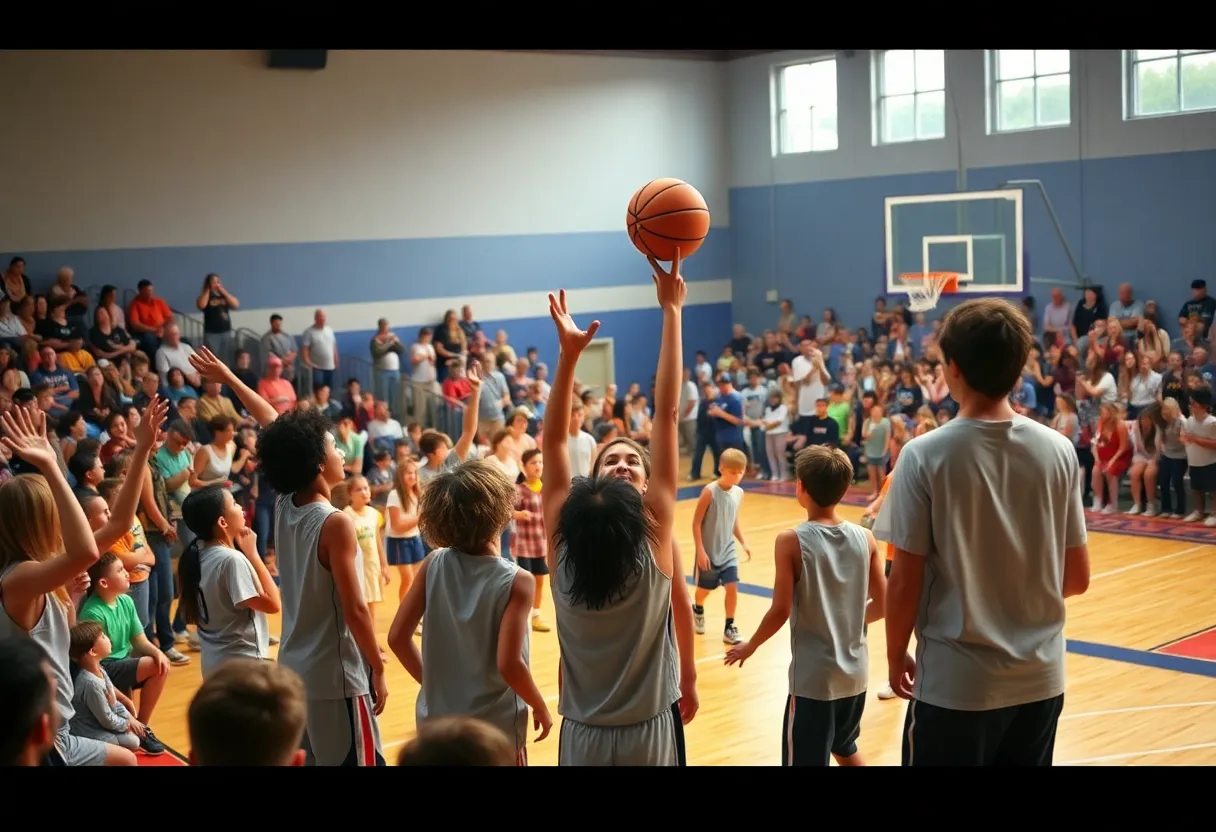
(667, 214)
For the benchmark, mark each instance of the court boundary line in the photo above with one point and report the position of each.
(1190, 550)
(1127, 755)
(1132, 709)
(1181, 639)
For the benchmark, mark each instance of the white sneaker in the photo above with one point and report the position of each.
(1133, 511)
(1096, 508)
(1192, 517)
(698, 622)
(886, 692)
(1210, 522)
(1110, 509)
(1150, 512)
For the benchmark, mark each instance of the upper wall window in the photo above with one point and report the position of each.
(1030, 89)
(911, 87)
(806, 107)
(1162, 82)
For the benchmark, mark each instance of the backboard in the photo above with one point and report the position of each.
(977, 234)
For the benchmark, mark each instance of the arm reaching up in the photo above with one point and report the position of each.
(212, 369)
(572, 341)
(122, 513)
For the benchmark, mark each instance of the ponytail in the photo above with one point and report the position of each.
(190, 573)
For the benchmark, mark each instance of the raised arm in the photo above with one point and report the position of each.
(122, 513)
(472, 410)
(664, 449)
(571, 341)
(212, 369)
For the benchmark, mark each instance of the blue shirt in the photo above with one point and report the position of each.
(56, 378)
(724, 431)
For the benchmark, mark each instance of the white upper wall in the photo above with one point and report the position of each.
(130, 149)
(1098, 129)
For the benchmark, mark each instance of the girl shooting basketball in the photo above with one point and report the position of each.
(615, 568)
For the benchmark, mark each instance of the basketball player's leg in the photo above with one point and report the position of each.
(808, 733)
(936, 736)
(707, 581)
(1031, 737)
(847, 729)
(342, 732)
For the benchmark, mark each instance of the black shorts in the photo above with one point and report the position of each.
(711, 579)
(815, 730)
(1021, 735)
(1203, 479)
(124, 673)
(533, 566)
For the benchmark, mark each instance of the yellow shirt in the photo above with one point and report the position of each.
(77, 362)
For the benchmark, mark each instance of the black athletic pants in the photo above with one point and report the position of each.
(1022, 735)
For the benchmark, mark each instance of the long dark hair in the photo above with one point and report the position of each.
(604, 535)
(201, 510)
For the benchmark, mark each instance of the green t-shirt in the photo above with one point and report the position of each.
(840, 412)
(121, 622)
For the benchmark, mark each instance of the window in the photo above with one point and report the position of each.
(1164, 82)
(1030, 89)
(806, 107)
(911, 95)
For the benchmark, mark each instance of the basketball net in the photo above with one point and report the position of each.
(925, 290)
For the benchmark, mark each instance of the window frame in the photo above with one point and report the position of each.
(780, 111)
(880, 95)
(994, 100)
(1131, 97)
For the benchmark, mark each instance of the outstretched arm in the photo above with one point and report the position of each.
(212, 369)
(572, 342)
(472, 409)
(787, 554)
(664, 451)
(122, 513)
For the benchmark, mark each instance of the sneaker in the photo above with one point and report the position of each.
(539, 624)
(1096, 507)
(1210, 522)
(1192, 517)
(1110, 509)
(1150, 512)
(698, 622)
(1133, 511)
(886, 692)
(176, 657)
(731, 635)
(150, 745)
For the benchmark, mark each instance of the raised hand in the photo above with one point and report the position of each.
(25, 435)
(571, 339)
(473, 377)
(208, 366)
(150, 420)
(670, 285)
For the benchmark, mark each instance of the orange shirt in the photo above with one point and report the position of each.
(153, 313)
(126, 546)
(278, 388)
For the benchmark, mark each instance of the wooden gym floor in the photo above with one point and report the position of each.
(1141, 664)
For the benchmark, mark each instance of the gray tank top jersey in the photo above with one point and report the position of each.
(830, 659)
(53, 635)
(466, 596)
(230, 632)
(316, 641)
(718, 526)
(618, 663)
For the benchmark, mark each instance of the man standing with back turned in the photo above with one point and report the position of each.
(989, 533)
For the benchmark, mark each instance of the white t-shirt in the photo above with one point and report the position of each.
(322, 347)
(168, 358)
(390, 428)
(581, 450)
(228, 631)
(811, 392)
(394, 500)
(688, 393)
(423, 371)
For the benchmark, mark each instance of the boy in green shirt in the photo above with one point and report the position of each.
(135, 663)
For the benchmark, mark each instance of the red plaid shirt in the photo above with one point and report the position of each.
(529, 540)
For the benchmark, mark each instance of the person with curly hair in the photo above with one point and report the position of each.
(329, 637)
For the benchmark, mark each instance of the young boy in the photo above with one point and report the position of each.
(436, 448)
(329, 636)
(380, 477)
(477, 608)
(989, 532)
(134, 664)
(1199, 436)
(829, 585)
(458, 741)
(102, 712)
(248, 713)
(715, 526)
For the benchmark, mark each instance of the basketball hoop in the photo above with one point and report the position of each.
(924, 290)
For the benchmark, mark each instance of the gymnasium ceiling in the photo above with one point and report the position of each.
(687, 54)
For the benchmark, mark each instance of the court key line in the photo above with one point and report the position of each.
(1127, 755)
(1141, 708)
(554, 697)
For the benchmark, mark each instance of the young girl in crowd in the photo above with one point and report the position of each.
(530, 542)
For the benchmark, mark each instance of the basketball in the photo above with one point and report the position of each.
(666, 214)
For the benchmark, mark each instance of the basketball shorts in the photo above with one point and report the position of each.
(815, 730)
(650, 743)
(342, 733)
(711, 579)
(1021, 735)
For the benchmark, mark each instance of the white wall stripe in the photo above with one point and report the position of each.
(508, 306)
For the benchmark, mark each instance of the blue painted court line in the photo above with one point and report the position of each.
(1123, 655)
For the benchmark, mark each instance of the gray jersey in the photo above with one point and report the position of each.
(991, 506)
(618, 663)
(466, 596)
(53, 635)
(830, 659)
(228, 631)
(718, 526)
(317, 644)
